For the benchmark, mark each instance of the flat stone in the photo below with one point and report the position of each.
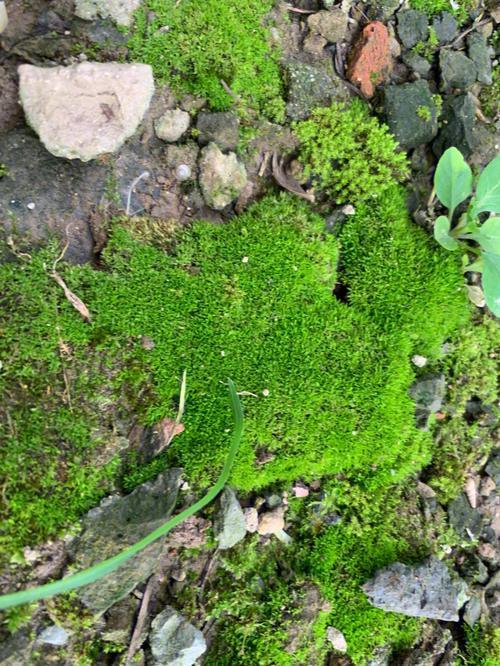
(445, 26)
(411, 113)
(424, 590)
(54, 635)
(271, 522)
(417, 63)
(221, 128)
(413, 27)
(370, 62)
(174, 641)
(314, 44)
(172, 125)
(457, 71)
(331, 24)
(457, 128)
(222, 177)
(230, 526)
(472, 612)
(119, 522)
(479, 53)
(120, 11)
(337, 639)
(465, 520)
(310, 86)
(83, 111)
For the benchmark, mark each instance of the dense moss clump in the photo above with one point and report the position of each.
(325, 382)
(349, 154)
(459, 9)
(193, 46)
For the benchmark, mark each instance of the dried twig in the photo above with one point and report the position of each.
(205, 573)
(135, 641)
(75, 301)
(297, 10)
(231, 92)
(286, 181)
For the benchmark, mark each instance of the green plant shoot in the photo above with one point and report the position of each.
(453, 184)
(100, 570)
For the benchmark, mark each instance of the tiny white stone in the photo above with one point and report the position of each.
(419, 361)
(265, 393)
(183, 172)
(349, 210)
(245, 260)
(223, 353)
(31, 206)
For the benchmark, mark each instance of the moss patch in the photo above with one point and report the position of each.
(194, 45)
(433, 7)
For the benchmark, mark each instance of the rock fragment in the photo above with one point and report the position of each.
(230, 525)
(411, 113)
(273, 521)
(458, 119)
(445, 26)
(457, 71)
(172, 125)
(424, 590)
(83, 111)
(54, 635)
(428, 394)
(174, 641)
(331, 24)
(370, 62)
(337, 639)
(221, 128)
(121, 11)
(222, 177)
(310, 86)
(251, 519)
(413, 27)
(479, 53)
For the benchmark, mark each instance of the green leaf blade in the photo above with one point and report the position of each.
(453, 179)
(491, 281)
(488, 189)
(442, 233)
(488, 235)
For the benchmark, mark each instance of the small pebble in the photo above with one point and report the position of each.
(183, 172)
(31, 206)
(272, 521)
(245, 260)
(265, 393)
(300, 491)
(419, 361)
(337, 639)
(251, 519)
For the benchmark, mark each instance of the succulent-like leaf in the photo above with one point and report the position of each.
(488, 235)
(488, 188)
(453, 179)
(491, 281)
(442, 233)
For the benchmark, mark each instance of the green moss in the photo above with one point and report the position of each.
(433, 7)
(348, 154)
(4, 170)
(472, 369)
(482, 647)
(327, 381)
(490, 95)
(194, 45)
(428, 48)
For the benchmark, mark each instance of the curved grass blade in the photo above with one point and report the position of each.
(100, 570)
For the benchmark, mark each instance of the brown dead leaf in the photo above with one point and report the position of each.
(167, 429)
(287, 181)
(76, 302)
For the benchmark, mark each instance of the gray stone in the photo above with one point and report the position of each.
(472, 612)
(332, 24)
(172, 125)
(473, 570)
(54, 635)
(411, 113)
(458, 119)
(230, 526)
(222, 177)
(493, 467)
(424, 590)
(436, 646)
(83, 111)
(457, 71)
(310, 86)
(383, 9)
(465, 520)
(492, 598)
(221, 128)
(120, 11)
(119, 522)
(413, 27)
(174, 641)
(445, 26)
(428, 394)
(479, 53)
(417, 63)
(381, 656)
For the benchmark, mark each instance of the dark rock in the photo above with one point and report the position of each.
(465, 520)
(310, 86)
(473, 569)
(382, 9)
(436, 646)
(230, 524)
(472, 612)
(493, 467)
(411, 113)
(479, 53)
(424, 590)
(457, 71)
(413, 27)
(44, 196)
(120, 620)
(445, 26)
(417, 63)
(221, 128)
(174, 641)
(492, 598)
(119, 522)
(428, 394)
(458, 118)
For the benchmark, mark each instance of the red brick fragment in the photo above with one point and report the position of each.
(371, 60)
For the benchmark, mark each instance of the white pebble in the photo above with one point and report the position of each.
(419, 361)
(245, 260)
(31, 206)
(183, 172)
